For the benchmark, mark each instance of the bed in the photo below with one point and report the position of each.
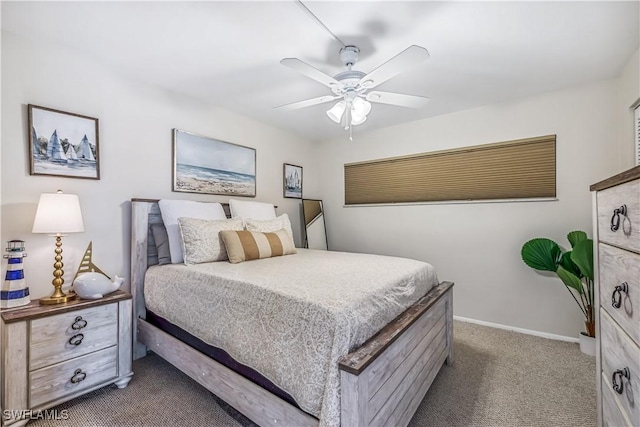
(393, 354)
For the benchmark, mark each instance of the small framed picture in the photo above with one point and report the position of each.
(63, 144)
(210, 166)
(292, 181)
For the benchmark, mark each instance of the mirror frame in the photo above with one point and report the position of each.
(304, 222)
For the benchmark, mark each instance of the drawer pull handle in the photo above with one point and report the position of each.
(79, 323)
(620, 373)
(615, 219)
(616, 297)
(78, 376)
(76, 339)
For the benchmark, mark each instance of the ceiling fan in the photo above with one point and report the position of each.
(354, 88)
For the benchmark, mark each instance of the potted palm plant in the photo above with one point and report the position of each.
(575, 269)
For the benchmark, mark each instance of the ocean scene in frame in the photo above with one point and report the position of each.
(63, 144)
(209, 166)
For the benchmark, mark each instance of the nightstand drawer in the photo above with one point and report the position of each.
(72, 376)
(61, 337)
(628, 233)
(620, 367)
(620, 287)
(612, 415)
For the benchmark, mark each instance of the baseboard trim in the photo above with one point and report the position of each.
(520, 330)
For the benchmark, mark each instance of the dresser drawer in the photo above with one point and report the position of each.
(612, 415)
(66, 378)
(52, 338)
(619, 352)
(619, 267)
(628, 234)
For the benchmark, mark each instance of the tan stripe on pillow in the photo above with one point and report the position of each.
(248, 245)
(275, 244)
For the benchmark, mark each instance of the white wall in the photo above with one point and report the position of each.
(135, 148)
(628, 92)
(477, 245)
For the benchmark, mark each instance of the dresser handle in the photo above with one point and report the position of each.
(79, 376)
(79, 323)
(615, 219)
(622, 373)
(76, 339)
(616, 297)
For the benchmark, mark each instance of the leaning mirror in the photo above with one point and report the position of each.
(316, 235)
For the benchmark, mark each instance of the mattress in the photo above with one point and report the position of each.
(290, 318)
(218, 355)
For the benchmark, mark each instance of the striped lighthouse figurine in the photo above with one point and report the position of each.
(15, 292)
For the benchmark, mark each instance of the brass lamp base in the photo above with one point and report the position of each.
(58, 299)
(58, 296)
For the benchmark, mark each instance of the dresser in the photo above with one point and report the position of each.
(616, 203)
(53, 353)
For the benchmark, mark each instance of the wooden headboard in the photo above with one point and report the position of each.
(145, 212)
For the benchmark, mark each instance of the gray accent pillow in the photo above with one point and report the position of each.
(161, 238)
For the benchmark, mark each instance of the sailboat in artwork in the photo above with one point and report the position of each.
(293, 181)
(55, 152)
(71, 153)
(84, 151)
(36, 146)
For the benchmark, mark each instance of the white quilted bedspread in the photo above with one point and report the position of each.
(291, 318)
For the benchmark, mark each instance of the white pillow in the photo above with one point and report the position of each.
(171, 210)
(269, 225)
(253, 210)
(201, 240)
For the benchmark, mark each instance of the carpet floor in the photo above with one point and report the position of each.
(499, 378)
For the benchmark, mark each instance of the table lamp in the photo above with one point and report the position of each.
(58, 214)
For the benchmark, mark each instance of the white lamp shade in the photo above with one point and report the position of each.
(357, 120)
(335, 112)
(58, 213)
(361, 107)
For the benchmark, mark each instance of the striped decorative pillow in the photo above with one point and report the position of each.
(247, 245)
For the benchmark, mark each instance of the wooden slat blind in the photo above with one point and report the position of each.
(524, 168)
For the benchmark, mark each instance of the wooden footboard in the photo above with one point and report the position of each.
(382, 382)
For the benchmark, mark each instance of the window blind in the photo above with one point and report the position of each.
(524, 168)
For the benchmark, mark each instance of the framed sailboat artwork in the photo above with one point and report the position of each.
(63, 144)
(292, 181)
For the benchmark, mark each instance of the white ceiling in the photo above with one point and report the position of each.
(228, 53)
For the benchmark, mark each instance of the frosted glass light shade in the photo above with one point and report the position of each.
(335, 113)
(58, 213)
(361, 107)
(357, 120)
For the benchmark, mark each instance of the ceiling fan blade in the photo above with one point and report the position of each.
(411, 56)
(309, 71)
(402, 100)
(307, 102)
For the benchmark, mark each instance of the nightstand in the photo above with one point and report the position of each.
(54, 353)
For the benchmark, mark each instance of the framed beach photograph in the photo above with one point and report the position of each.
(210, 166)
(63, 144)
(292, 181)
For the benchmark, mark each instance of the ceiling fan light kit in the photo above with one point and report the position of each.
(353, 87)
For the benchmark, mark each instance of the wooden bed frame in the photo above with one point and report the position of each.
(382, 382)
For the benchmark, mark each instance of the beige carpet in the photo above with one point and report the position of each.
(499, 378)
